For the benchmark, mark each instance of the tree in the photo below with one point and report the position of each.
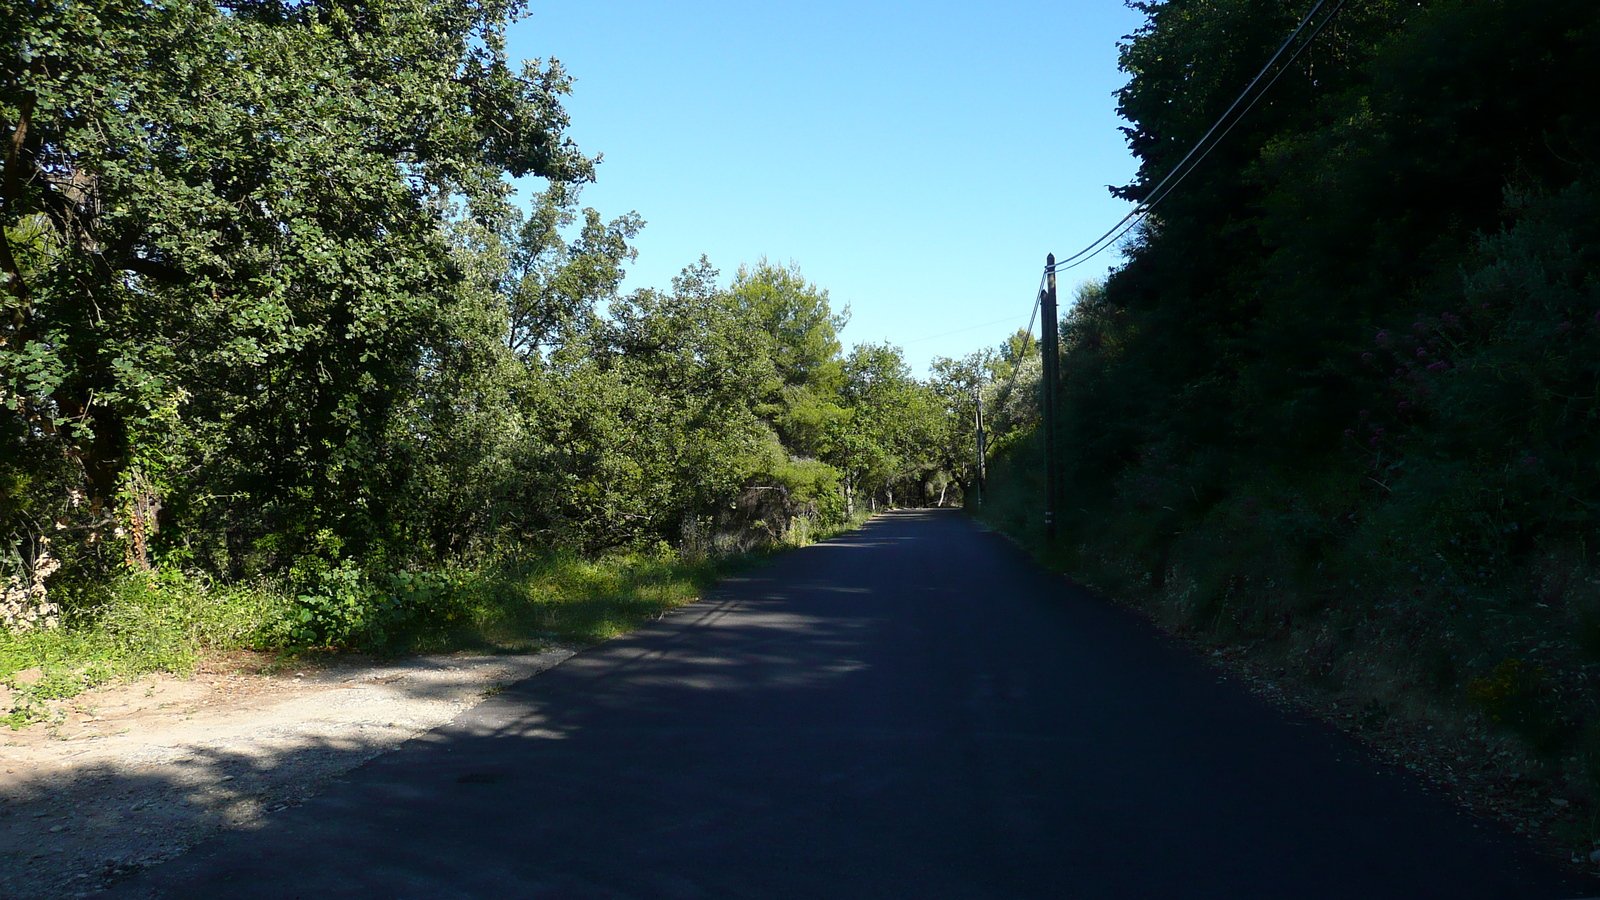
(553, 282)
(799, 334)
(957, 384)
(893, 430)
(240, 270)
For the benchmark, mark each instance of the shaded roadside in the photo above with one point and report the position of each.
(137, 773)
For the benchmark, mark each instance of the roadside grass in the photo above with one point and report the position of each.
(520, 603)
(510, 602)
(158, 622)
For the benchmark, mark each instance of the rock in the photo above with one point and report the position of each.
(1595, 857)
(1559, 802)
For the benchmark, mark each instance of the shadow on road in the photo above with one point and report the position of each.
(910, 711)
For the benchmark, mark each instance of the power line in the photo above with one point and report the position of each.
(1144, 211)
(1207, 136)
(962, 330)
(1016, 368)
(1157, 194)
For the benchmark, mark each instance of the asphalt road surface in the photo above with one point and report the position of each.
(912, 710)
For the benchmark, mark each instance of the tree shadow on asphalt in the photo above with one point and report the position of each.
(819, 728)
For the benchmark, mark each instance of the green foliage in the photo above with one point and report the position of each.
(238, 268)
(551, 284)
(282, 367)
(130, 625)
(576, 600)
(162, 622)
(1341, 400)
(890, 443)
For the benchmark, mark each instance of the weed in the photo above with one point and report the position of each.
(1522, 699)
(513, 601)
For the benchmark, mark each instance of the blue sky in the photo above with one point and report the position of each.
(917, 160)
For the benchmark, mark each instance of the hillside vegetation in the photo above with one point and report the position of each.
(1341, 404)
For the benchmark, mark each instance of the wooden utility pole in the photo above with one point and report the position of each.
(977, 395)
(1048, 340)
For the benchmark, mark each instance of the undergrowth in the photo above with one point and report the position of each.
(511, 601)
(1477, 668)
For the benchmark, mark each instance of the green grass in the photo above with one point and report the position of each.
(517, 603)
(512, 602)
(132, 625)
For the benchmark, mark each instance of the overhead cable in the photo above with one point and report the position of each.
(961, 330)
(1139, 212)
(1144, 212)
(1038, 297)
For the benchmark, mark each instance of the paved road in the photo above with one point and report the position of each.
(912, 710)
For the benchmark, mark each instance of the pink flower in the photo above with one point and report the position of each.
(1421, 352)
(1366, 356)
(1438, 367)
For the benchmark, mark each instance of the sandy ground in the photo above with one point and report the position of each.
(133, 774)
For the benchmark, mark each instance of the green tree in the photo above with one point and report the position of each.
(243, 270)
(552, 282)
(957, 384)
(799, 332)
(886, 447)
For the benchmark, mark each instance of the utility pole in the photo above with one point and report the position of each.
(1048, 340)
(982, 442)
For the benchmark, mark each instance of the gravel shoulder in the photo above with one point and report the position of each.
(129, 775)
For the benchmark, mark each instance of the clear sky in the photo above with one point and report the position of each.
(918, 160)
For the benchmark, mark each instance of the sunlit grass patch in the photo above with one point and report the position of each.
(507, 603)
(133, 625)
(573, 600)
(512, 601)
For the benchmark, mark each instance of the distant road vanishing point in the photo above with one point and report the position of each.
(910, 710)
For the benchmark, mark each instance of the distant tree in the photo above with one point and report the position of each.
(889, 443)
(957, 384)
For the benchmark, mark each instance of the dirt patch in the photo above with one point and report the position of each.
(128, 775)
